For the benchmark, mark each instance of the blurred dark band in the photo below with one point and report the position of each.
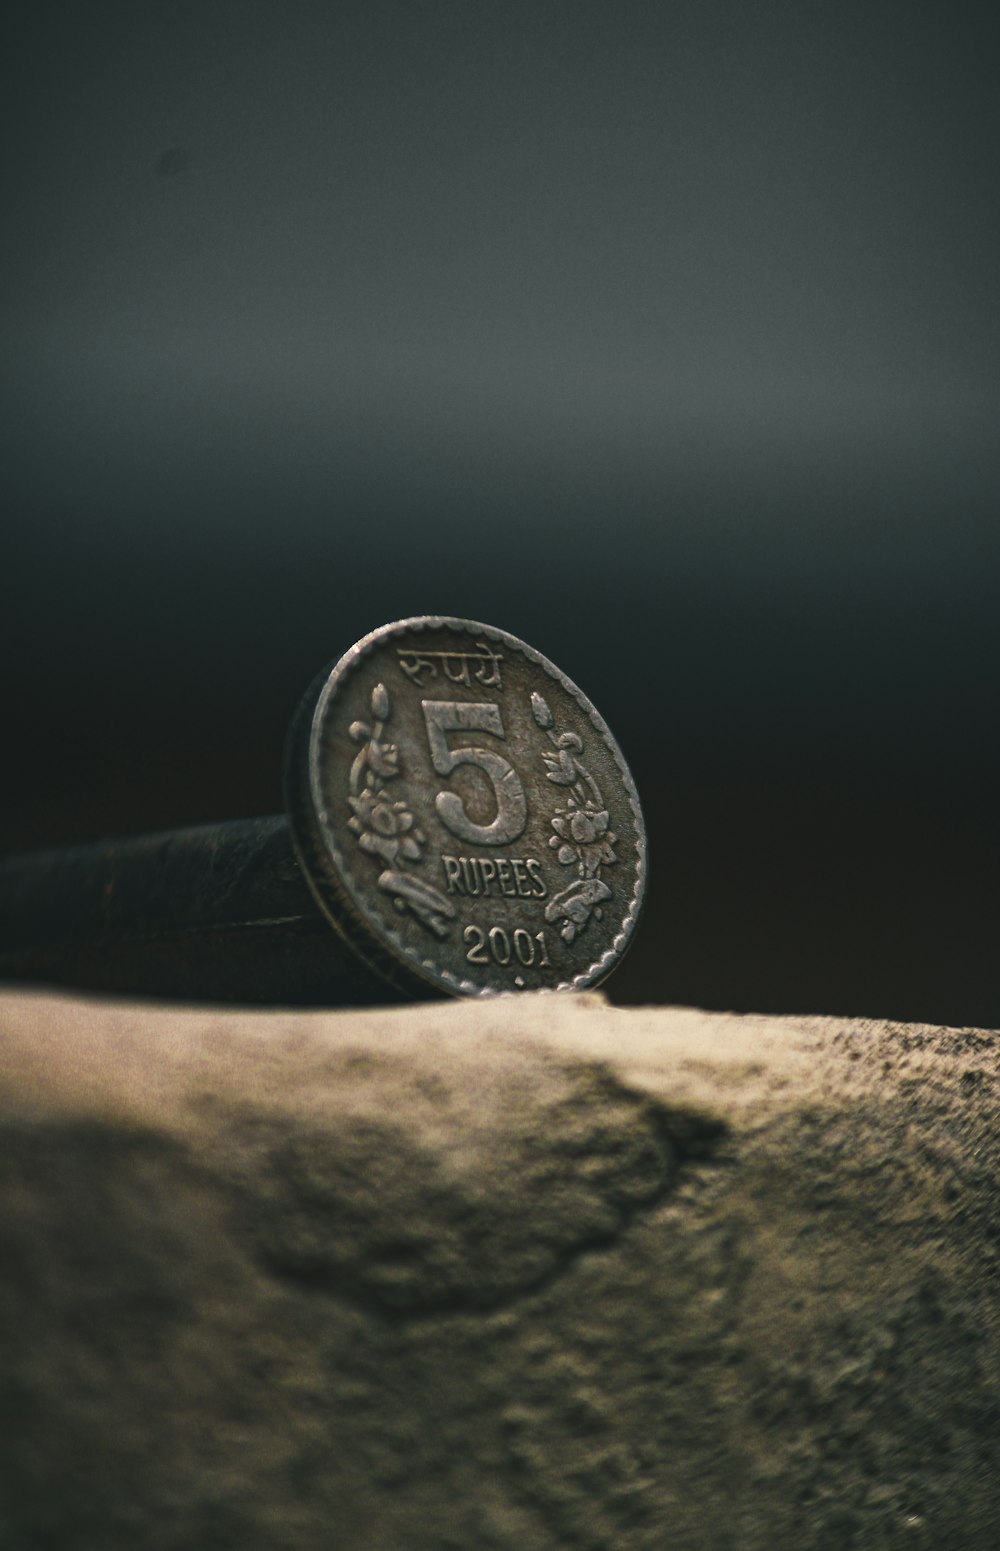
(218, 913)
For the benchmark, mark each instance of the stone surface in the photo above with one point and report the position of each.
(519, 1274)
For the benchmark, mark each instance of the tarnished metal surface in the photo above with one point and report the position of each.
(463, 813)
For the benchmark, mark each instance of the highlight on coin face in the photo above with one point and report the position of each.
(463, 814)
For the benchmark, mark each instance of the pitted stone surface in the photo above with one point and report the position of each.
(520, 1274)
(430, 1196)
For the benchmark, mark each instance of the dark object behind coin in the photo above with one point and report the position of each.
(458, 810)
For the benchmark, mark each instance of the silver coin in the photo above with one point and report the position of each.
(463, 814)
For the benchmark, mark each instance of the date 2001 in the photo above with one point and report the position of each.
(503, 947)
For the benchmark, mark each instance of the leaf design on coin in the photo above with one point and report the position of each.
(386, 828)
(582, 835)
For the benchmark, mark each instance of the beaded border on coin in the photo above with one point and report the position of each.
(317, 841)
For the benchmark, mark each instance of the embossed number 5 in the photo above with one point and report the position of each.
(444, 716)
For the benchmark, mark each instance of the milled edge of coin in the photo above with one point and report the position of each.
(315, 837)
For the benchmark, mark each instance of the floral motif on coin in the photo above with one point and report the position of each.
(386, 828)
(582, 835)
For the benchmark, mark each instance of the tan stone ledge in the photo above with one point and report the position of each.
(530, 1272)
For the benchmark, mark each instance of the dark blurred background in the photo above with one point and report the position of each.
(663, 335)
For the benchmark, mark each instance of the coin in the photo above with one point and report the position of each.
(462, 813)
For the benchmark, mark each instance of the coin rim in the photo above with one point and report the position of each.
(315, 836)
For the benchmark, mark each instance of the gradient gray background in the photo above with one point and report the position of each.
(664, 335)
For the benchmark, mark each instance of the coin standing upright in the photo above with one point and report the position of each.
(462, 813)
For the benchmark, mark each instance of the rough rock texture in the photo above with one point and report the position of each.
(524, 1274)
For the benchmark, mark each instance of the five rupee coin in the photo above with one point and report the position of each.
(462, 813)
